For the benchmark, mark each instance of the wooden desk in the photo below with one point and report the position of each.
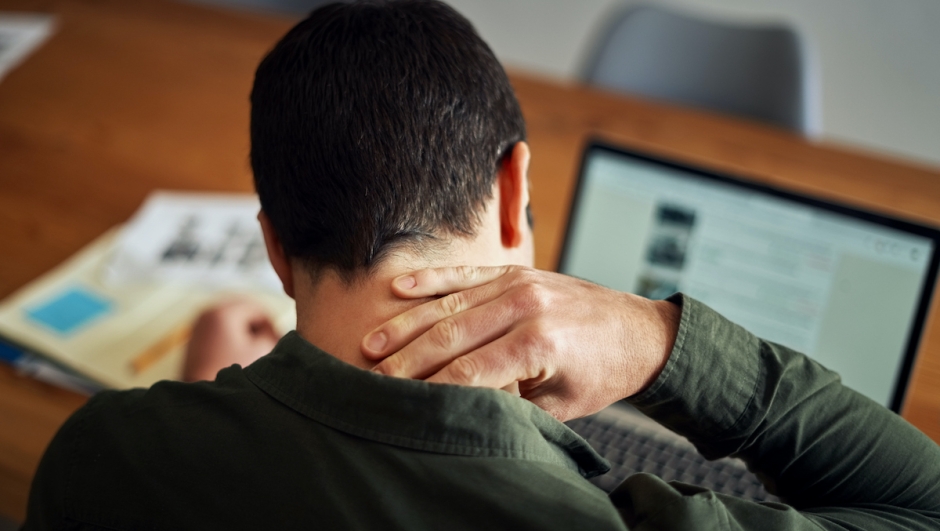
(132, 96)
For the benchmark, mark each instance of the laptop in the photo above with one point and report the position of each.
(850, 288)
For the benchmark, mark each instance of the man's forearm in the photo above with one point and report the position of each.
(822, 447)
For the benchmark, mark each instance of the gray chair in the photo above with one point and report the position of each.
(763, 73)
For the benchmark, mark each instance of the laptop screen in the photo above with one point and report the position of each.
(849, 288)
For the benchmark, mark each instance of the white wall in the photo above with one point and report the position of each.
(879, 59)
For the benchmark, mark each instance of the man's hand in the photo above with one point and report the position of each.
(573, 347)
(237, 331)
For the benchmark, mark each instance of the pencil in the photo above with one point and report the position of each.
(161, 348)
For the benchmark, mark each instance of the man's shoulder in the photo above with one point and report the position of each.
(166, 399)
(169, 408)
(121, 446)
(141, 449)
(170, 428)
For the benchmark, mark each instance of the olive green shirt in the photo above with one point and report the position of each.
(300, 440)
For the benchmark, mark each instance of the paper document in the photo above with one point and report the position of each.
(20, 34)
(199, 240)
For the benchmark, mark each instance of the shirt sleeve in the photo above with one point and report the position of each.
(838, 459)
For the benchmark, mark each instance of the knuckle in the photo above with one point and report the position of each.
(504, 271)
(531, 341)
(535, 297)
(399, 326)
(526, 275)
(445, 334)
(464, 370)
(466, 272)
(528, 340)
(391, 366)
(537, 346)
(452, 304)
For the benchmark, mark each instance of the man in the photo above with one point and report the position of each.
(387, 147)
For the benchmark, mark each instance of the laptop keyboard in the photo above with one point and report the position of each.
(632, 449)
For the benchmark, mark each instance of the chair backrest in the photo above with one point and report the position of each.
(758, 72)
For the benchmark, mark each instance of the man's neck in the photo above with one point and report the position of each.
(335, 315)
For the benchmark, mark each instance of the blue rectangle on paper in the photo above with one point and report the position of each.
(70, 310)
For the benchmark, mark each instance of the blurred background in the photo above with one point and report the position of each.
(107, 128)
(878, 60)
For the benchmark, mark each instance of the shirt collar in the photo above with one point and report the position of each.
(445, 419)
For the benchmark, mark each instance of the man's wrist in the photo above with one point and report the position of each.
(670, 315)
(659, 338)
(710, 378)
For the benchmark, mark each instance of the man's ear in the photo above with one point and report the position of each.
(514, 196)
(276, 254)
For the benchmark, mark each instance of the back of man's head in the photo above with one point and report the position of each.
(377, 124)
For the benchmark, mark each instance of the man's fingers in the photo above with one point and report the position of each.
(506, 364)
(232, 331)
(262, 325)
(444, 280)
(496, 365)
(408, 326)
(446, 340)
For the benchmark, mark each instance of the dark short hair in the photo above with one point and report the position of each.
(375, 124)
